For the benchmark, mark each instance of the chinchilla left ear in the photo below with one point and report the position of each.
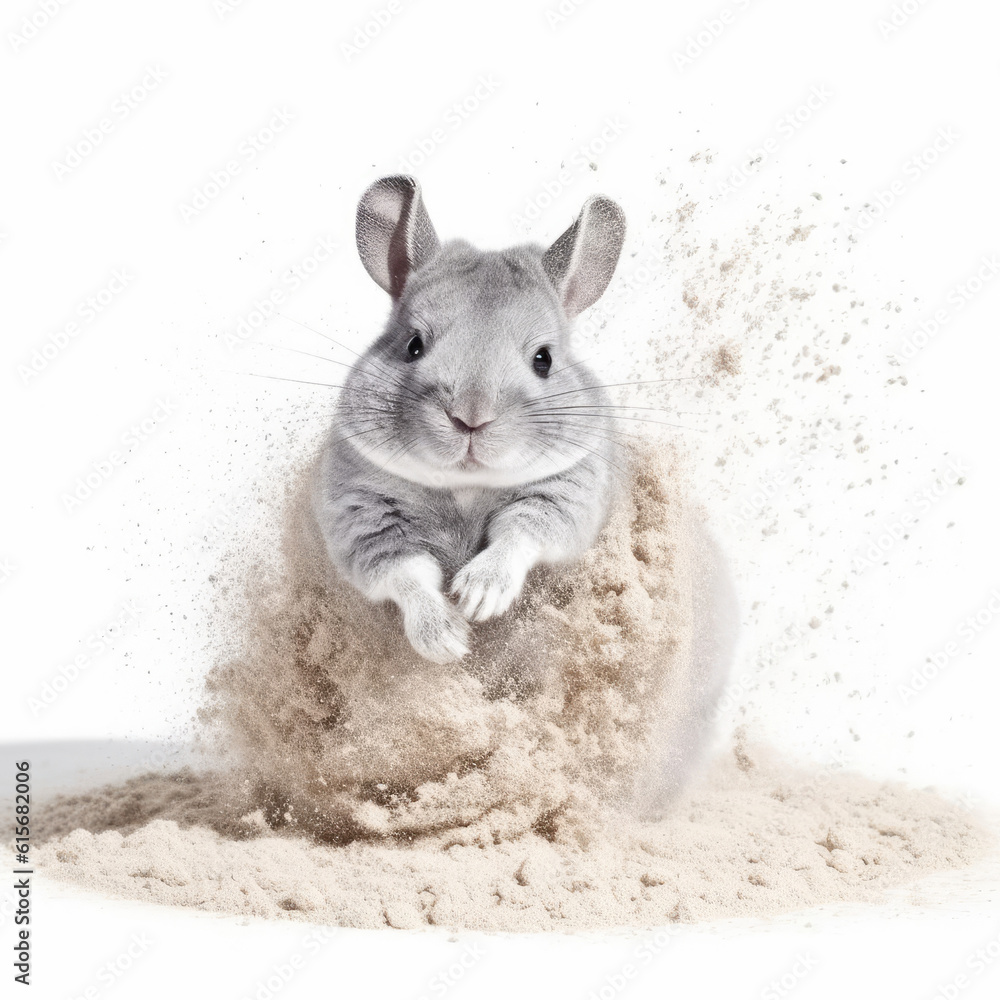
(394, 232)
(581, 262)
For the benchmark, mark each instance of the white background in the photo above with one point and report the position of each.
(140, 538)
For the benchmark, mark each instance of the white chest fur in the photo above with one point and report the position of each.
(469, 498)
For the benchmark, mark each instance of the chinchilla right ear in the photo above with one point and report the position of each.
(581, 262)
(394, 231)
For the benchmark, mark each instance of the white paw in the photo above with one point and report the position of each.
(436, 630)
(488, 584)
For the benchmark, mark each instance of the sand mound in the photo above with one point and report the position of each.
(586, 697)
(752, 839)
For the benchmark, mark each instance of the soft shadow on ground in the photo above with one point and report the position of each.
(121, 785)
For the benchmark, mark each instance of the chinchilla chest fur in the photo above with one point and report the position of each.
(384, 512)
(451, 525)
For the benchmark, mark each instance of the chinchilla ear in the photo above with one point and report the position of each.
(581, 262)
(394, 232)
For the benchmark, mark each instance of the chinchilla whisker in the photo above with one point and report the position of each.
(302, 381)
(625, 406)
(610, 385)
(603, 437)
(596, 454)
(337, 343)
(387, 376)
(374, 424)
(559, 435)
(371, 449)
(320, 357)
(378, 368)
(567, 367)
(319, 333)
(619, 416)
(645, 420)
(613, 430)
(308, 354)
(366, 410)
(399, 453)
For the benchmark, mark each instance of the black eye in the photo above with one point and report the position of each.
(415, 347)
(542, 362)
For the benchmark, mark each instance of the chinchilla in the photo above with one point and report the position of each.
(469, 444)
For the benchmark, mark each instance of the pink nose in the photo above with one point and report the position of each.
(466, 428)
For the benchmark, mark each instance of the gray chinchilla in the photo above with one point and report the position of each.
(469, 444)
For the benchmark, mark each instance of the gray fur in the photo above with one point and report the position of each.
(452, 473)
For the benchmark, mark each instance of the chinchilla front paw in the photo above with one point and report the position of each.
(435, 628)
(489, 583)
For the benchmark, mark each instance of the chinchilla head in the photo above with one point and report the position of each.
(474, 382)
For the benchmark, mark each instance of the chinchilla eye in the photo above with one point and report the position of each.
(542, 362)
(415, 347)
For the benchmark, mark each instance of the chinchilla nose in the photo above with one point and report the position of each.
(464, 427)
(470, 407)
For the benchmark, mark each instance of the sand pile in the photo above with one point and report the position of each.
(538, 785)
(752, 838)
(343, 731)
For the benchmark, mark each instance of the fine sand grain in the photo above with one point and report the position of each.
(539, 785)
(752, 839)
